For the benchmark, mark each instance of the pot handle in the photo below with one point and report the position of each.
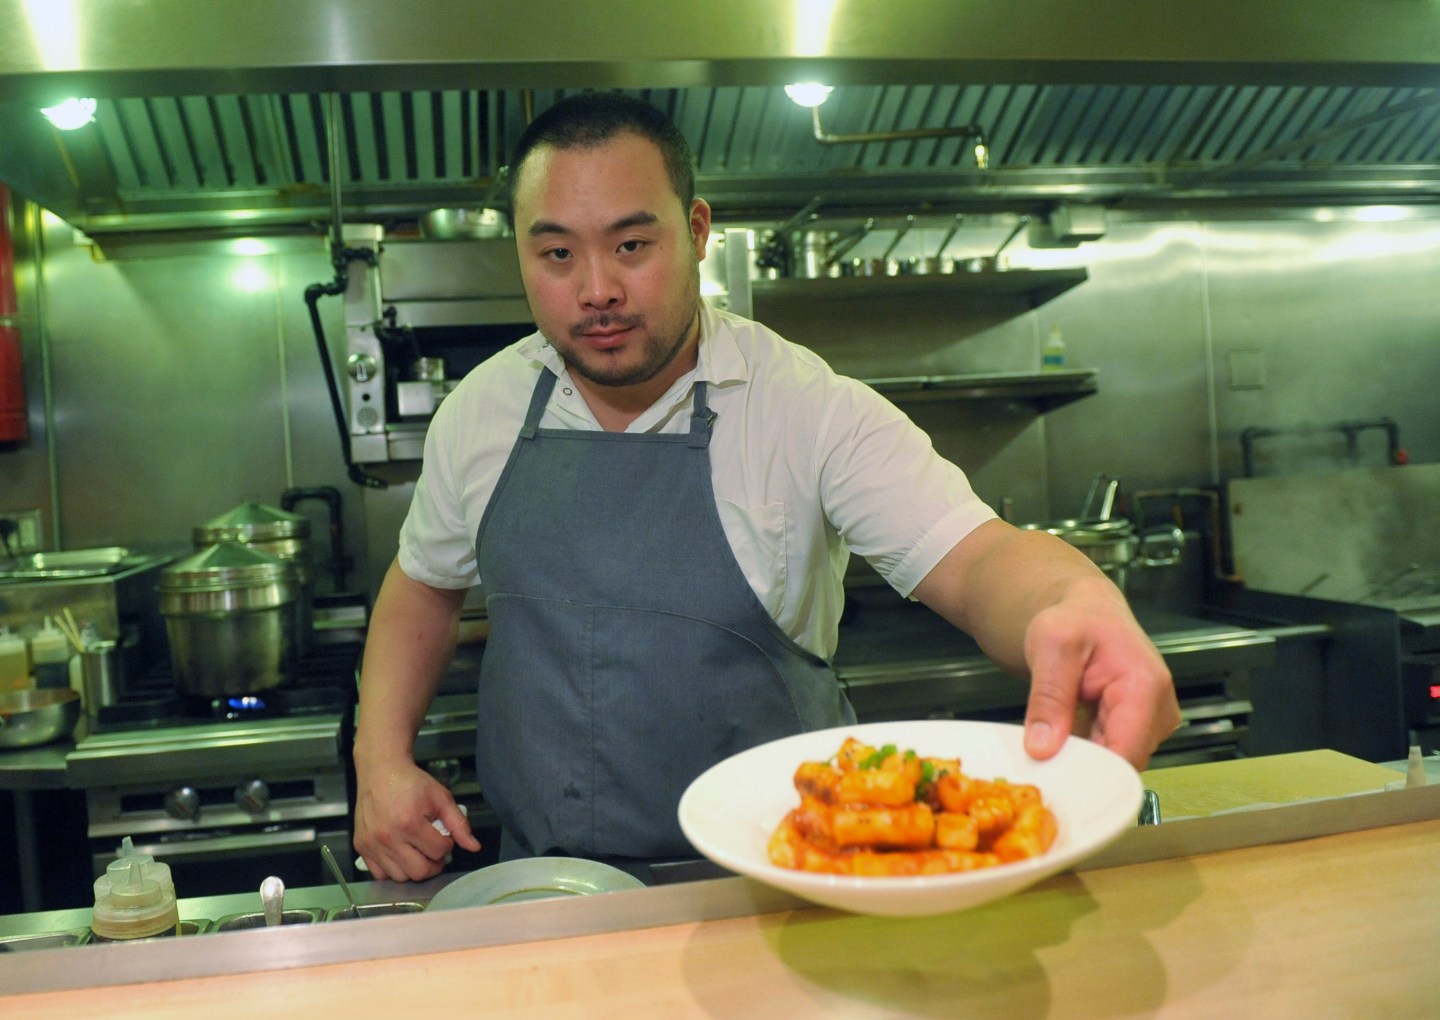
(1161, 547)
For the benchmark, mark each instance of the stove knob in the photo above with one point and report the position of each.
(183, 803)
(253, 795)
(361, 367)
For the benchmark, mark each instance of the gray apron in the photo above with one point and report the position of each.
(627, 651)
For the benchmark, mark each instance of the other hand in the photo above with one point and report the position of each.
(394, 811)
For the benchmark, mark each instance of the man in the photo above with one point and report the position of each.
(658, 500)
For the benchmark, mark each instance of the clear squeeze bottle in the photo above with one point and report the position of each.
(50, 655)
(14, 662)
(134, 899)
(1052, 355)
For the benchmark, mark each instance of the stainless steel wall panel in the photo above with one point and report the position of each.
(1138, 321)
(184, 386)
(1343, 316)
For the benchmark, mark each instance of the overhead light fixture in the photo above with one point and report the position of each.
(1381, 213)
(70, 113)
(808, 94)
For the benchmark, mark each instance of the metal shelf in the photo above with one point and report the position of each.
(1045, 390)
(1033, 286)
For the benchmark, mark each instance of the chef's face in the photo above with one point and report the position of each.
(610, 257)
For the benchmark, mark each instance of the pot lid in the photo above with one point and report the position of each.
(252, 522)
(224, 566)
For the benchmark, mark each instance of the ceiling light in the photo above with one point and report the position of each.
(808, 93)
(71, 113)
(1381, 213)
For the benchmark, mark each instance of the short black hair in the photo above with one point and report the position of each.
(589, 119)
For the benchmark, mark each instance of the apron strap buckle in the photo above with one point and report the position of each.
(701, 426)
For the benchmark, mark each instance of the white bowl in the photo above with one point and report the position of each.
(730, 811)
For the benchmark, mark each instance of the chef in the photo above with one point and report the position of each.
(658, 500)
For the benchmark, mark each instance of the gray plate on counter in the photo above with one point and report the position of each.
(532, 878)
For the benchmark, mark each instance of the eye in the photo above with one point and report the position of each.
(630, 247)
(556, 254)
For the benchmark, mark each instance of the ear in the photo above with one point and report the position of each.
(700, 226)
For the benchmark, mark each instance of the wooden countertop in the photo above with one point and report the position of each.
(1341, 925)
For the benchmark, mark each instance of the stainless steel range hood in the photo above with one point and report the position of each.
(213, 114)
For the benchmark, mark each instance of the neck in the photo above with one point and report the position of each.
(616, 407)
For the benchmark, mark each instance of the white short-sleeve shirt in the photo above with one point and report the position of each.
(807, 466)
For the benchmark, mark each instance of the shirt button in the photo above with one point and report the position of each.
(568, 392)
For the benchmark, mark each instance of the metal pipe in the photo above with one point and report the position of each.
(982, 148)
(332, 145)
(1349, 429)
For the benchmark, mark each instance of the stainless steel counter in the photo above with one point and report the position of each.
(35, 768)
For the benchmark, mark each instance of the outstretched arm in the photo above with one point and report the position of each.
(1043, 610)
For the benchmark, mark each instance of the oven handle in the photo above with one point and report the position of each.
(222, 844)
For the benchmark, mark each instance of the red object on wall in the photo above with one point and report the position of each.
(12, 375)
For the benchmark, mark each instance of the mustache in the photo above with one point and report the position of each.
(606, 321)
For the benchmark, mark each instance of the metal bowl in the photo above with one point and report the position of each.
(463, 224)
(37, 716)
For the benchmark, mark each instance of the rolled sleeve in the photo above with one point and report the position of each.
(436, 546)
(893, 498)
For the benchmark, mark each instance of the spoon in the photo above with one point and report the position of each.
(339, 877)
(272, 899)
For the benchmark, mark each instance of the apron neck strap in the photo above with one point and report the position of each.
(544, 386)
(702, 419)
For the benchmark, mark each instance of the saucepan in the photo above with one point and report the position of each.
(937, 263)
(37, 716)
(892, 265)
(777, 255)
(994, 263)
(818, 252)
(1114, 546)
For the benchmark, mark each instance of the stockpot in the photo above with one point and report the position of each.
(1113, 545)
(230, 615)
(278, 533)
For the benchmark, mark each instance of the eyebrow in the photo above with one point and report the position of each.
(635, 219)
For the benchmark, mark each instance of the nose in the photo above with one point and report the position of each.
(600, 286)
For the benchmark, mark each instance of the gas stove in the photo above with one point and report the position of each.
(226, 788)
(157, 733)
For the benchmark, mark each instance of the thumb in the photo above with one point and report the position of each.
(1050, 709)
(457, 822)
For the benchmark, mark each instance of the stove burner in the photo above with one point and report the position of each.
(280, 702)
(323, 683)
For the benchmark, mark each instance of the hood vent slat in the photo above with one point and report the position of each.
(404, 152)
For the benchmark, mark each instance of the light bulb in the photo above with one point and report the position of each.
(70, 113)
(808, 93)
